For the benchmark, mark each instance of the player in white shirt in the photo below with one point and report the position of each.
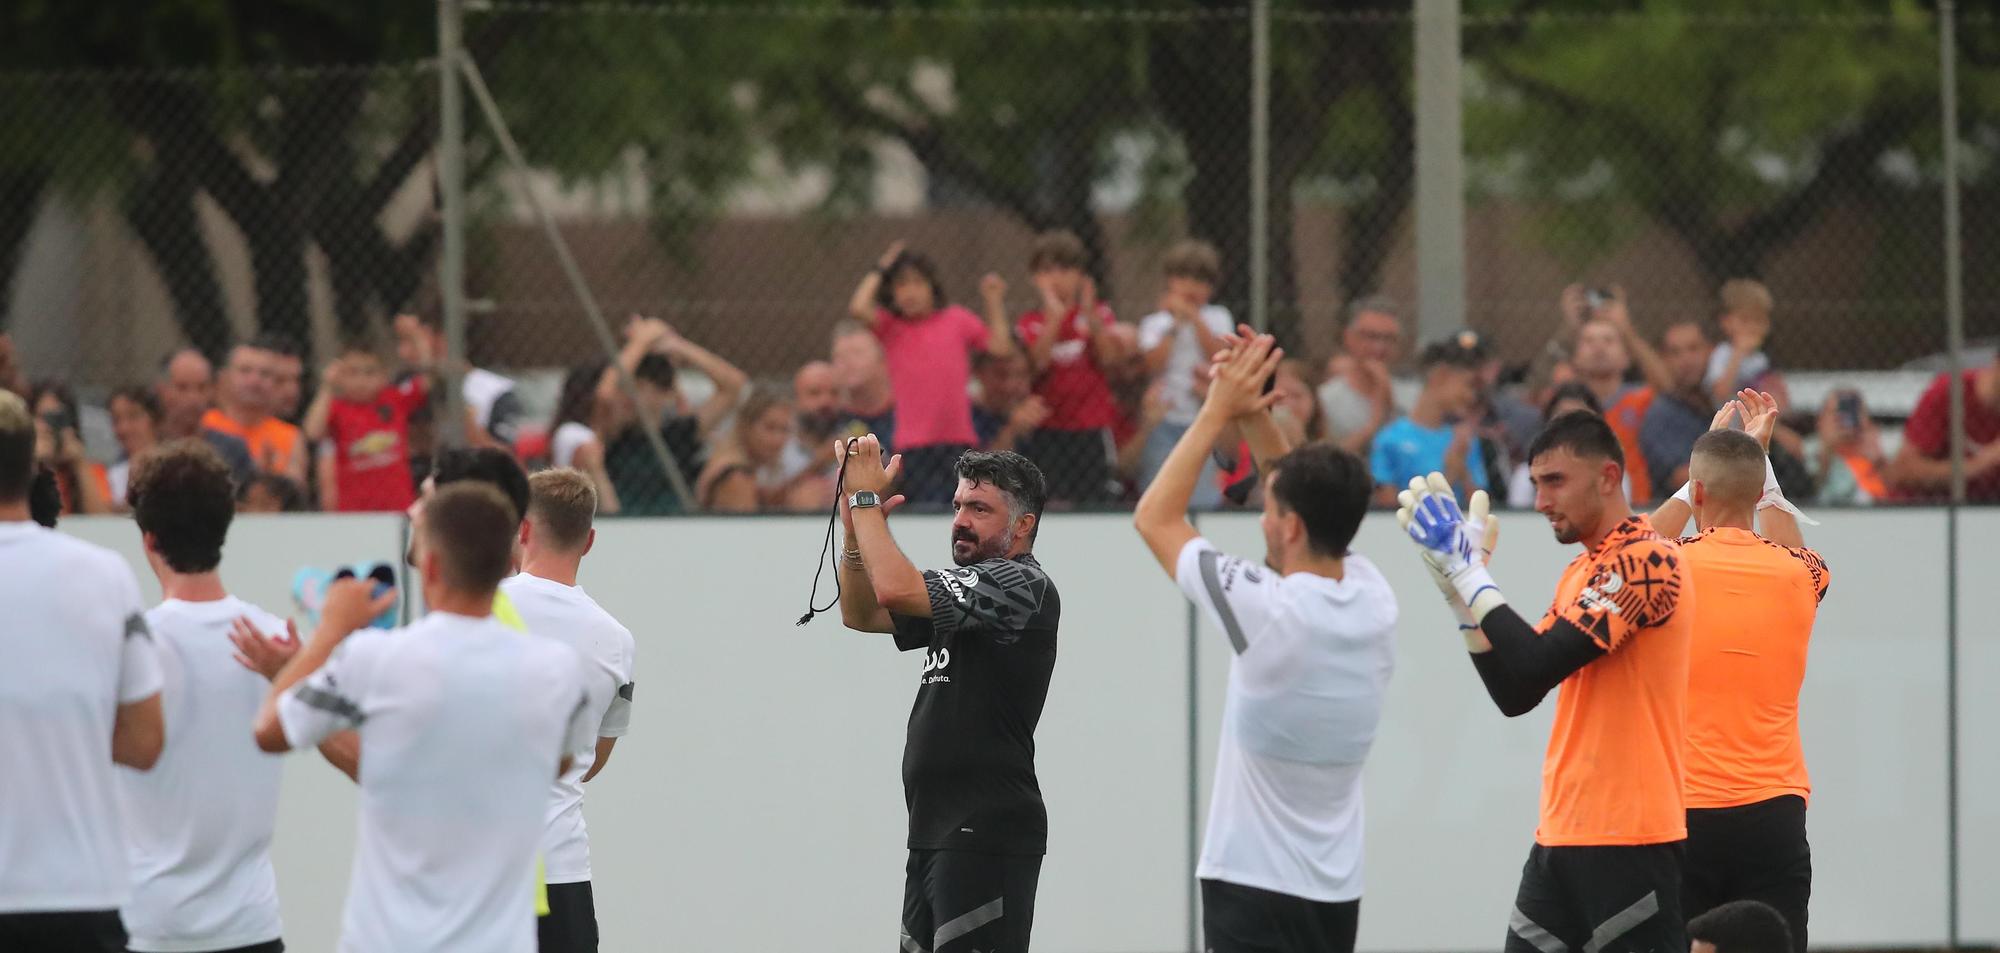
(554, 538)
(200, 823)
(82, 675)
(1313, 634)
(462, 723)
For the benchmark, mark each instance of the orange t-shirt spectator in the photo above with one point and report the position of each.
(244, 412)
(367, 420)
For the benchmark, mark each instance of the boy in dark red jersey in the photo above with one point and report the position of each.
(367, 420)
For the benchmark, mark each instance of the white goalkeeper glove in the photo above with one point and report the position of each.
(1455, 544)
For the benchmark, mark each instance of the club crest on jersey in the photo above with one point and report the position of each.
(934, 665)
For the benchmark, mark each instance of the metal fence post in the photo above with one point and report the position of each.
(1440, 159)
(1954, 316)
(1260, 164)
(451, 198)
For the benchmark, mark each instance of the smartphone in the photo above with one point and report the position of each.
(58, 421)
(1596, 298)
(1848, 406)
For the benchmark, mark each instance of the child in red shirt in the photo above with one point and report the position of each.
(1071, 344)
(367, 421)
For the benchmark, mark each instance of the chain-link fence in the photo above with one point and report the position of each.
(737, 170)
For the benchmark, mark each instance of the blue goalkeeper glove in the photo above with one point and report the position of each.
(1455, 544)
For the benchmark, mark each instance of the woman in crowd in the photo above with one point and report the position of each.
(575, 434)
(135, 420)
(81, 480)
(742, 474)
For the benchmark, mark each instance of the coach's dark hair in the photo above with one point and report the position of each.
(1580, 432)
(45, 497)
(489, 465)
(181, 495)
(470, 527)
(1015, 476)
(885, 294)
(1329, 488)
(1743, 926)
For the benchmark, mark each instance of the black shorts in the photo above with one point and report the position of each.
(67, 931)
(1240, 919)
(571, 926)
(1600, 899)
(1753, 852)
(955, 901)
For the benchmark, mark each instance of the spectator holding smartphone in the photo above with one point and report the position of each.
(1070, 347)
(84, 486)
(367, 420)
(928, 345)
(1846, 453)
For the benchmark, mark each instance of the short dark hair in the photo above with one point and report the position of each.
(657, 370)
(291, 497)
(489, 465)
(1580, 432)
(181, 494)
(1057, 248)
(1329, 488)
(1574, 390)
(276, 342)
(141, 395)
(45, 496)
(1454, 351)
(470, 527)
(17, 447)
(914, 260)
(1742, 926)
(1741, 457)
(1193, 259)
(1015, 476)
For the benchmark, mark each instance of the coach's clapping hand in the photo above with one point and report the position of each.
(260, 653)
(865, 469)
(1236, 383)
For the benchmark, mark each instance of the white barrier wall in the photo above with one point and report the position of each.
(757, 804)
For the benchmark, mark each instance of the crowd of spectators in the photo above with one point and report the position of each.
(1097, 402)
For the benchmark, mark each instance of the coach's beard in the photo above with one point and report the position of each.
(967, 548)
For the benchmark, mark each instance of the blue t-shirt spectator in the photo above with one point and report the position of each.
(1403, 450)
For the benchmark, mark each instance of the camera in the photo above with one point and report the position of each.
(1596, 298)
(58, 421)
(1848, 406)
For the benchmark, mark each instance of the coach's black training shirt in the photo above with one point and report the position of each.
(969, 764)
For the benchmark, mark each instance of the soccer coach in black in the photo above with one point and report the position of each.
(988, 628)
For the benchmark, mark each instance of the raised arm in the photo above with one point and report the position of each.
(314, 424)
(861, 305)
(1651, 365)
(1235, 393)
(860, 610)
(897, 584)
(349, 606)
(999, 330)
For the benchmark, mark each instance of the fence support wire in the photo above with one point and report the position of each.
(451, 199)
(609, 341)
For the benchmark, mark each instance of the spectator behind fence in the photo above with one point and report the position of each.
(287, 362)
(493, 409)
(1739, 361)
(1564, 399)
(1008, 413)
(366, 419)
(1177, 341)
(575, 432)
(867, 398)
(1602, 362)
(1679, 414)
(1070, 348)
(1845, 453)
(1356, 395)
(745, 473)
(270, 493)
(816, 419)
(11, 379)
(81, 480)
(927, 343)
(1922, 468)
(1438, 434)
(1300, 420)
(243, 411)
(652, 350)
(135, 421)
(186, 388)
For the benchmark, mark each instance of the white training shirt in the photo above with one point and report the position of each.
(568, 614)
(1312, 664)
(1182, 401)
(76, 647)
(199, 824)
(463, 722)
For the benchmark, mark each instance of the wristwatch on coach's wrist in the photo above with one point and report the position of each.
(862, 499)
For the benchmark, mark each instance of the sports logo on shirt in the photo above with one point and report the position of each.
(934, 665)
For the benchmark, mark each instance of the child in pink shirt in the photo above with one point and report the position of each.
(928, 344)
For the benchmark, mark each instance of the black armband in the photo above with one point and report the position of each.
(1525, 664)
